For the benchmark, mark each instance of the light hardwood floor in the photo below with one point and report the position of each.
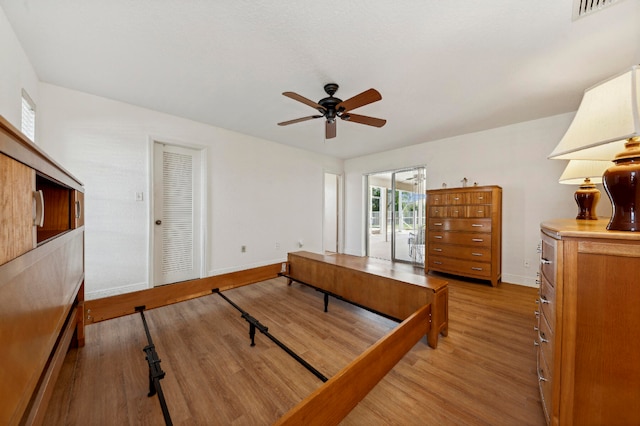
(483, 373)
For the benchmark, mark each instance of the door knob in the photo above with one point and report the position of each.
(158, 222)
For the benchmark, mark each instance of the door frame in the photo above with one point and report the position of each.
(202, 194)
(367, 211)
(339, 210)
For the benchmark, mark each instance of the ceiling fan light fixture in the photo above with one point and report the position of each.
(332, 107)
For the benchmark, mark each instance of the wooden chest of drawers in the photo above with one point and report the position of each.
(588, 352)
(464, 232)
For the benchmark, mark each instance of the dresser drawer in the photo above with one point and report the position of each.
(474, 254)
(547, 301)
(473, 239)
(548, 259)
(483, 197)
(438, 211)
(467, 211)
(545, 339)
(450, 224)
(459, 266)
(477, 211)
(545, 384)
(456, 198)
(437, 199)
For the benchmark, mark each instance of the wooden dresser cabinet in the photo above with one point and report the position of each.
(464, 232)
(41, 275)
(588, 345)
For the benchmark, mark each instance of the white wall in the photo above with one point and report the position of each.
(16, 73)
(259, 193)
(513, 157)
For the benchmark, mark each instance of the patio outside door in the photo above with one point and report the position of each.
(396, 215)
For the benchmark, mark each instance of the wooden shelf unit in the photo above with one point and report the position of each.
(41, 274)
(587, 345)
(464, 232)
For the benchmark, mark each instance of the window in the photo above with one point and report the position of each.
(28, 116)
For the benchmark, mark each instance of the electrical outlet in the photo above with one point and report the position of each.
(277, 245)
(526, 264)
(243, 249)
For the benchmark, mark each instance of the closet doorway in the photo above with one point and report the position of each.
(331, 217)
(396, 215)
(177, 205)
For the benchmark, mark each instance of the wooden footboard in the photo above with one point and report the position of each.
(330, 403)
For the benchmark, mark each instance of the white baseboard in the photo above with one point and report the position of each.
(520, 280)
(114, 291)
(221, 271)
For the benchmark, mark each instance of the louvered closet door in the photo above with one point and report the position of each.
(176, 214)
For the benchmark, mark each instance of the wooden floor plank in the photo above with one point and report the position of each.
(483, 373)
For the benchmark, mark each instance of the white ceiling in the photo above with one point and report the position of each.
(444, 68)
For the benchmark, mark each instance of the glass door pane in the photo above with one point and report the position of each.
(409, 219)
(396, 215)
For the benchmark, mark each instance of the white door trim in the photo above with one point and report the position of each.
(340, 210)
(202, 241)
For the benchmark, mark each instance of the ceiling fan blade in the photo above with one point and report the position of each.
(364, 98)
(330, 129)
(304, 100)
(298, 120)
(363, 119)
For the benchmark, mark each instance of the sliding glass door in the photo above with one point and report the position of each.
(396, 215)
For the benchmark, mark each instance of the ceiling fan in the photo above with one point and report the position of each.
(332, 108)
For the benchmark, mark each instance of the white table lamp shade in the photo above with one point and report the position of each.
(578, 170)
(608, 115)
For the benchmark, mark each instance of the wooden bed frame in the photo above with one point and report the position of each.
(420, 300)
(331, 402)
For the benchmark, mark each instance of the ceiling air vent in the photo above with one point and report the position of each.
(583, 8)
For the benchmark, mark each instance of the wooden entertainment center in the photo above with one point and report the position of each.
(41, 274)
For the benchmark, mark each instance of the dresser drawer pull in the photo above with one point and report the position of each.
(455, 211)
(480, 211)
(437, 249)
(545, 261)
(476, 254)
(541, 378)
(475, 268)
(543, 299)
(541, 337)
(456, 198)
(477, 240)
(480, 197)
(535, 343)
(439, 237)
(435, 262)
(438, 224)
(537, 314)
(477, 225)
(538, 281)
